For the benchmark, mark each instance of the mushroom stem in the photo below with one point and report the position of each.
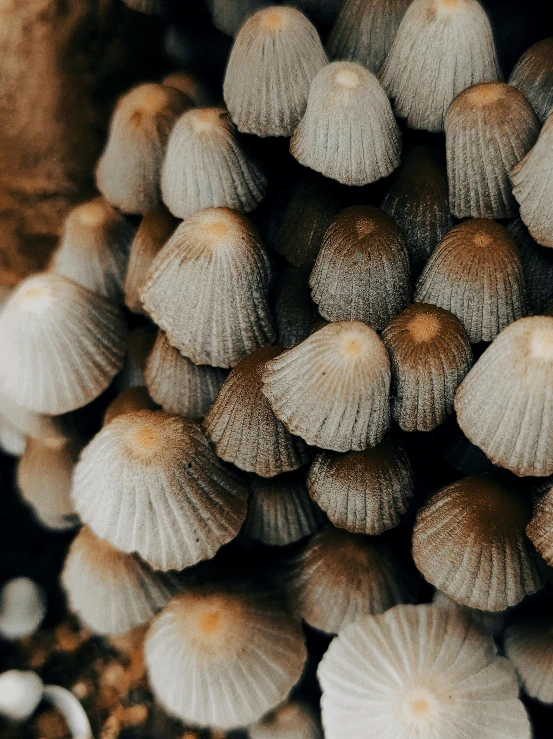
(68, 705)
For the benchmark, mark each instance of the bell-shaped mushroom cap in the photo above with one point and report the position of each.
(441, 48)
(141, 342)
(418, 202)
(488, 128)
(229, 15)
(364, 492)
(154, 231)
(128, 173)
(529, 646)
(129, 400)
(22, 608)
(362, 271)
(94, 248)
(222, 313)
(44, 477)
(348, 132)
(419, 671)
(533, 76)
(365, 29)
(149, 7)
(280, 511)
(505, 403)
(20, 694)
(313, 205)
(476, 274)
(294, 311)
(540, 528)
(179, 385)
(340, 577)
(292, 720)
(333, 388)
(244, 429)
(206, 167)
(469, 541)
(190, 85)
(150, 483)
(224, 657)
(111, 591)
(487, 621)
(276, 54)
(537, 265)
(61, 344)
(532, 180)
(430, 354)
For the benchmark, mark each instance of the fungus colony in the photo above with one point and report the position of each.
(282, 376)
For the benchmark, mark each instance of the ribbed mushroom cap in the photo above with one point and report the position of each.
(223, 313)
(281, 511)
(441, 48)
(529, 646)
(430, 354)
(418, 671)
(276, 54)
(292, 720)
(488, 128)
(532, 180)
(333, 388)
(129, 400)
(154, 231)
(469, 541)
(44, 477)
(111, 591)
(150, 483)
(362, 271)
(61, 344)
(533, 76)
(365, 29)
(149, 7)
(364, 492)
(190, 85)
(537, 265)
(418, 202)
(222, 657)
(244, 429)
(94, 248)
(313, 205)
(488, 622)
(128, 173)
(505, 403)
(340, 577)
(206, 167)
(229, 15)
(348, 132)
(294, 311)
(540, 528)
(476, 274)
(179, 385)
(141, 342)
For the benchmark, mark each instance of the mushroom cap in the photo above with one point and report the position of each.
(244, 429)
(20, 694)
(362, 270)
(291, 720)
(223, 657)
(537, 265)
(489, 128)
(469, 541)
(430, 355)
(529, 646)
(340, 577)
(441, 48)
(276, 54)
(111, 591)
(223, 314)
(540, 528)
(364, 492)
(504, 405)
(348, 131)
(61, 344)
(332, 389)
(22, 608)
(418, 671)
(533, 76)
(476, 274)
(150, 483)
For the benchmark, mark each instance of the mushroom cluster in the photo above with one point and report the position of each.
(313, 416)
